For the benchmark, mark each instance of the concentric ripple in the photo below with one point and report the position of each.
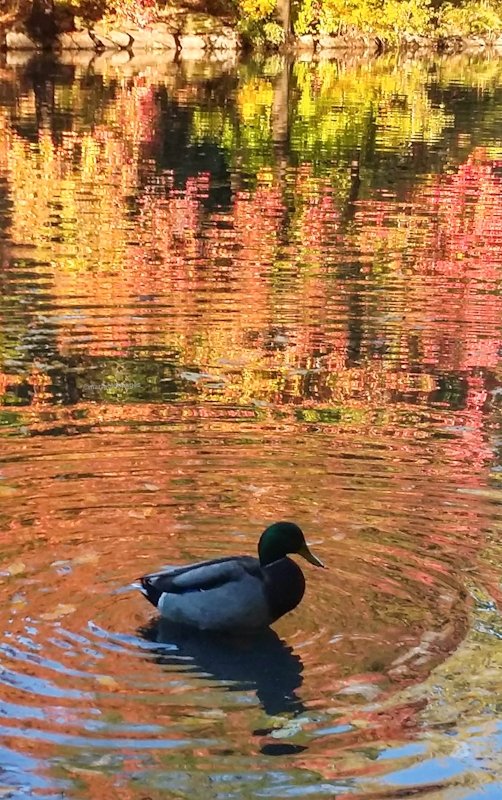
(94, 685)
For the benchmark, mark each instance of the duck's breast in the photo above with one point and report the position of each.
(284, 586)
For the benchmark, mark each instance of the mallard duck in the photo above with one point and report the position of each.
(238, 593)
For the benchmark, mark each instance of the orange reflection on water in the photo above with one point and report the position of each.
(328, 346)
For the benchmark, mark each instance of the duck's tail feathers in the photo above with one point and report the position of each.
(150, 591)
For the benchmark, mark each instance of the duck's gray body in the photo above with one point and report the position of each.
(227, 594)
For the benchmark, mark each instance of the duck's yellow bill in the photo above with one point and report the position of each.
(308, 556)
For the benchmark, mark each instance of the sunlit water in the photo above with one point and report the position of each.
(231, 294)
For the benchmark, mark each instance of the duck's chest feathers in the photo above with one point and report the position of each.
(284, 586)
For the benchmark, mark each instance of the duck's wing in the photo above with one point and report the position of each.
(198, 577)
(225, 594)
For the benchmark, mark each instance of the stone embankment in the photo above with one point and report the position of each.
(155, 37)
(200, 35)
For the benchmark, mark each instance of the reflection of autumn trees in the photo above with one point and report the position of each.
(59, 189)
(236, 290)
(279, 294)
(442, 251)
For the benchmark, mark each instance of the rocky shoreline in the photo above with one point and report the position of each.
(157, 36)
(217, 39)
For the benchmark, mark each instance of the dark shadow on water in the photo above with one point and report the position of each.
(263, 663)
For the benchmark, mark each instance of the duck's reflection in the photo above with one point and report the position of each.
(263, 662)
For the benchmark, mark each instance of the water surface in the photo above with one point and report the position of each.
(230, 294)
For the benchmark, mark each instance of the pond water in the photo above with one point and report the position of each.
(230, 294)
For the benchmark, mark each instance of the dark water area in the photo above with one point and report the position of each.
(231, 294)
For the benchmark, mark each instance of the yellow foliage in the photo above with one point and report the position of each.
(257, 9)
(389, 19)
(471, 18)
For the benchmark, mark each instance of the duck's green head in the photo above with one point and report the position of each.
(282, 538)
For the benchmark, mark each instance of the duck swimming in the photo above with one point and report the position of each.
(238, 593)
